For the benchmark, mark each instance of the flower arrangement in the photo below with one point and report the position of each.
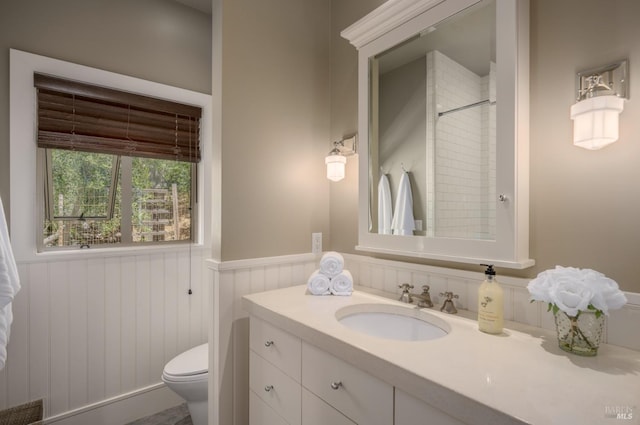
(578, 298)
(573, 290)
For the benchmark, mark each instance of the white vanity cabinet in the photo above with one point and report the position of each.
(411, 411)
(295, 383)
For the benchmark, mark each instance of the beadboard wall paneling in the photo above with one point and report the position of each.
(237, 278)
(86, 330)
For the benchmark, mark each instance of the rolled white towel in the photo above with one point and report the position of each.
(342, 284)
(331, 264)
(318, 283)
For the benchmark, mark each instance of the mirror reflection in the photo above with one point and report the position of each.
(433, 131)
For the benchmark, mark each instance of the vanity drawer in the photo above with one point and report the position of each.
(261, 413)
(276, 389)
(317, 412)
(411, 411)
(363, 398)
(277, 346)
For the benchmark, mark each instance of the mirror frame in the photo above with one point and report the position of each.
(398, 20)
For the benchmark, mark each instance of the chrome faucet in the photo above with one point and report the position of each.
(425, 298)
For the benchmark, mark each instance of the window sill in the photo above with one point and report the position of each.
(85, 253)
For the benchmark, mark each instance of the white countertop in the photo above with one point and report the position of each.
(518, 377)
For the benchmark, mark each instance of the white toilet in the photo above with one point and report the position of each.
(187, 375)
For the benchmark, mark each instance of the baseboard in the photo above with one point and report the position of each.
(121, 409)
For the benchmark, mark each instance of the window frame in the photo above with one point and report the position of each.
(26, 186)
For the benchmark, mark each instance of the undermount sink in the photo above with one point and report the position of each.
(392, 322)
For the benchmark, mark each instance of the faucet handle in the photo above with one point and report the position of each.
(448, 306)
(405, 297)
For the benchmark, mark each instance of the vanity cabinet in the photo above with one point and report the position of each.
(293, 382)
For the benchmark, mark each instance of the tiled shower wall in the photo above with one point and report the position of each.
(459, 148)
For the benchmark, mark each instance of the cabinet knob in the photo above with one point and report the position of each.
(268, 343)
(268, 388)
(336, 385)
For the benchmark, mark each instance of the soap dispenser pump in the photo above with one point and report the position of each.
(490, 303)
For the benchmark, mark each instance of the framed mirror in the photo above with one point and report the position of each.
(443, 120)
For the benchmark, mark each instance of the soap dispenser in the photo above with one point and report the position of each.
(490, 303)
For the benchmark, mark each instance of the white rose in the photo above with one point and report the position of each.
(540, 286)
(570, 295)
(606, 294)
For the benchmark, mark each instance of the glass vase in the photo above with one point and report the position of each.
(580, 334)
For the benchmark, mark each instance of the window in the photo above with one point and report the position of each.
(117, 168)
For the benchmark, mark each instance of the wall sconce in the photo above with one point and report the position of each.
(336, 159)
(601, 94)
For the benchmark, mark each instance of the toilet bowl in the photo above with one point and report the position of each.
(187, 375)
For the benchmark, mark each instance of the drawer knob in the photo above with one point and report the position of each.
(268, 343)
(268, 388)
(336, 385)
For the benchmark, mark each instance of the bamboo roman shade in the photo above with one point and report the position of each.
(84, 117)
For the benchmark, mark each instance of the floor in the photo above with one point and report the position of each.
(178, 415)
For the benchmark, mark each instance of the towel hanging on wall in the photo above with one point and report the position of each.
(9, 286)
(385, 213)
(403, 222)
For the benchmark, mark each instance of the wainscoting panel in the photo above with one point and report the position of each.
(91, 329)
(237, 278)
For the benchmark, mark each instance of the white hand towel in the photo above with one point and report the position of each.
(9, 286)
(403, 222)
(385, 213)
(318, 283)
(342, 284)
(331, 264)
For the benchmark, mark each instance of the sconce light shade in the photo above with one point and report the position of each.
(595, 121)
(335, 166)
(336, 159)
(600, 100)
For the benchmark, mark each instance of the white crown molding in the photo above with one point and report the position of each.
(385, 18)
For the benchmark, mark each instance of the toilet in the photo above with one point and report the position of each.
(187, 375)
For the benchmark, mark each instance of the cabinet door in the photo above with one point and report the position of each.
(261, 414)
(361, 397)
(317, 412)
(411, 411)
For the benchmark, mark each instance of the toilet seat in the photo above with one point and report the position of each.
(190, 366)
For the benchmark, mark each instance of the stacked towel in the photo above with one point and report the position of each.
(9, 286)
(342, 284)
(331, 277)
(318, 283)
(331, 264)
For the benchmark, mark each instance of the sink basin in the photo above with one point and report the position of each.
(392, 322)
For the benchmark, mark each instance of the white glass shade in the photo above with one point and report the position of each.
(595, 121)
(335, 167)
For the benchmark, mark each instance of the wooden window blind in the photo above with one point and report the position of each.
(83, 117)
